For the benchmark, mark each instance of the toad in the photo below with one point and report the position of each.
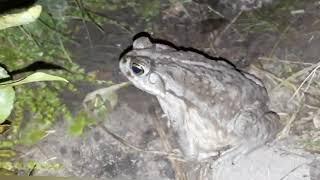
(211, 105)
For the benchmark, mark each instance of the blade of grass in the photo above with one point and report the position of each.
(84, 22)
(92, 19)
(310, 76)
(67, 37)
(30, 36)
(123, 26)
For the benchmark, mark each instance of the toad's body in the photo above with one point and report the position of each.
(210, 104)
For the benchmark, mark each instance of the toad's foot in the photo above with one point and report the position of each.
(232, 156)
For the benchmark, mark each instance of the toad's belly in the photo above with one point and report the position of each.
(198, 135)
(203, 137)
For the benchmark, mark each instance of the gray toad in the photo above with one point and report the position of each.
(211, 105)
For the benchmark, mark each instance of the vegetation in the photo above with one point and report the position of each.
(40, 46)
(37, 106)
(291, 73)
(274, 18)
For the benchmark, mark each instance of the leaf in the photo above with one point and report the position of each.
(6, 172)
(20, 17)
(103, 100)
(6, 144)
(97, 103)
(7, 96)
(32, 137)
(80, 122)
(35, 77)
(4, 128)
(7, 153)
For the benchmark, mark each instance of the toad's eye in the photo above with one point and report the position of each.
(137, 69)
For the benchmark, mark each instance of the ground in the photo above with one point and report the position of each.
(279, 43)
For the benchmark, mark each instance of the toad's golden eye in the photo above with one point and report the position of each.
(137, 69)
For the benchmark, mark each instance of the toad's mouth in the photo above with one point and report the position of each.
(124, 69)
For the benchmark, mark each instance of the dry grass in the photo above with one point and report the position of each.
(298, 84)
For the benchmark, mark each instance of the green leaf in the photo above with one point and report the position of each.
(32, 137)
(20, 17)
(6, 144)
(4, 128)
(35, 77)
(103, 100)
(80, 122)
(7, 96)
(6, 172)
(7, 153)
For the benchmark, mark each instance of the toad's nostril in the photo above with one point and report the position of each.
(128, 74)
(125, 59)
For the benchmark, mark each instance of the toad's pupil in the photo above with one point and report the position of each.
(137, 69)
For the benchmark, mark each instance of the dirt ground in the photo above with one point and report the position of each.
(279, 43)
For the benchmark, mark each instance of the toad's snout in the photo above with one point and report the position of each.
(124, 66)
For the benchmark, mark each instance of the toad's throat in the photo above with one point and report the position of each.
(197, 134)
